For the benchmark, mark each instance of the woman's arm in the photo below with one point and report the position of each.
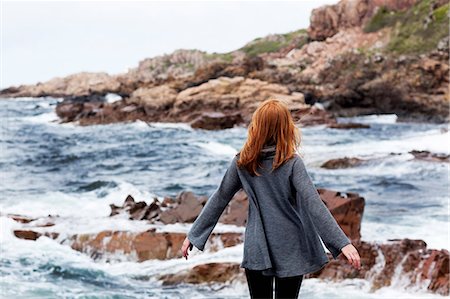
(209, 215)
(329, 230)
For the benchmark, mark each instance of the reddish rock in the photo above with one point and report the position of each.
(327, 20)
(186, 209)
(144, 245)
(167, 201)
(310, 116)
(21, 218)
(206, 273)
(348, 126)
(137, 210)
(27, 234)
(428, 156)
(380, 263)
(347, 208)
(216, 120)
(345, 162)
(68, 111)
(236, 211)
(32, 235)
(437, 269)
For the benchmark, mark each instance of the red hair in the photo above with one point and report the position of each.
(271, 123)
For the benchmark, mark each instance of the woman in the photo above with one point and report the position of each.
(286, 215)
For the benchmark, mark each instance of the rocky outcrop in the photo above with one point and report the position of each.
(236, 98)
(154, 99)
(217, 120)
(33, 235)
(231, 94)
(206, 273)
(428, 156)
(398, 261)
(137, 210)
(345, 162)
(79, 84)
(361, 57)
(347, 208)
(403, 261)
(142, 246)
(327, 20)
(348, 126)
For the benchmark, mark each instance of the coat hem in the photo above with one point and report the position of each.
(288, 273)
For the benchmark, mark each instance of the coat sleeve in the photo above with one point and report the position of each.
(214, 206)
(329, 230)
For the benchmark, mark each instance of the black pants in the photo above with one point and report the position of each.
(261, 286)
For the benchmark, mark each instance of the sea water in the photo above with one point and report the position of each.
(76, 172)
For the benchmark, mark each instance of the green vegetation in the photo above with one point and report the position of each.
(275, 42)
(383, 18)
(416, 30)
(227, 57)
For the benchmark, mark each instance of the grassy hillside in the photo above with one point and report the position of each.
(416, 30)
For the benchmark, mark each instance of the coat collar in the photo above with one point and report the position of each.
(268, 151)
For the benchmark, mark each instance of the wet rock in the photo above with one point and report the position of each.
(34, 222)
(186, 209)
(403, 261)
(167, 201)
(137, 210)
(236, 212)
(26, 234)
(347, 208)
(206, 273)
(142, 246)
(33, 235)
(428, 156)
(348, 126)
(345, 162)
(310, 116)
(216, 120)
(21, 218)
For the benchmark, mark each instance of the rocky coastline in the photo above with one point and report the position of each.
(382, 262)
(357, 57)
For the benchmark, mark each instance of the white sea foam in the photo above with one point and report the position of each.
(373, 118)
(112, 97)
(48, 117)
(217, 148)
(433, 141)
(177, 125)
(434, 232)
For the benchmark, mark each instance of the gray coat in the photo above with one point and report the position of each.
(286, 217)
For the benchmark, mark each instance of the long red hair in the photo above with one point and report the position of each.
(271, 123)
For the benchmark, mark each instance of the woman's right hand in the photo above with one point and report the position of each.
(186, 245)
(352, 255)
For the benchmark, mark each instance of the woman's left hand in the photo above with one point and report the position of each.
(352, 255)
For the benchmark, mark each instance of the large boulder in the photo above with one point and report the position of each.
(141, 246)
(205, 273)
(403, 261)
(230, 94)
(158, 98)
(347, 208)
(216, 120)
